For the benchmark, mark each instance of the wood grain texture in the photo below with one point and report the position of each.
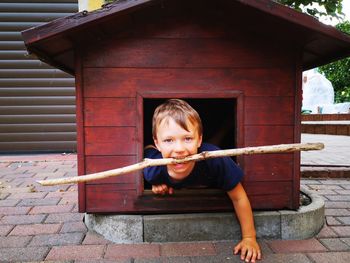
(96, 164)
(110, 141)
(111, 198)
(109, 112)
(125, 82)
(185, 53)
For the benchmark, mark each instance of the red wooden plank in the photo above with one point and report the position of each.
(110, 141)
(124, 82)
(268, 167)
(269, 111)
(186, 53)
(110, 198)
(108, 82)
(80, 133)
(96, 164)
(110, 112)
(268, 135)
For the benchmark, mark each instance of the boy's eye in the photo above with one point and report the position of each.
(167, 140)
(188, 139)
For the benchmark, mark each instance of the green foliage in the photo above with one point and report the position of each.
(339, 72)
(333, 7)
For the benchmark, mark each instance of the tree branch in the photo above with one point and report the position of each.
(196, 157)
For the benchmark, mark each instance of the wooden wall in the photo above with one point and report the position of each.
(186, 57)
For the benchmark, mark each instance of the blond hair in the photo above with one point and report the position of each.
(180, 111)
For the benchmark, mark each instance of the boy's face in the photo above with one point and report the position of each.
(174, 141)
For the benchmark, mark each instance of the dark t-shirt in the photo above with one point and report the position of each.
(213, 173)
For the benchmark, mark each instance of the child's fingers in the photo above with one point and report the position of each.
(243, 253)
(248, 255)
(259, 254)
(237, 249)
(171, 190)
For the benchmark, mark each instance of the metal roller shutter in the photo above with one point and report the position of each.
(37, 102)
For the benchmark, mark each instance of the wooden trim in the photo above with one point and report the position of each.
(297, 129)
(140, 140)
(80, 130)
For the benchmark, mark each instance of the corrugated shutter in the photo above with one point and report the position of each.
(37, 102)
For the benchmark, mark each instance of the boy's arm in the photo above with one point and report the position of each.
(250, 250)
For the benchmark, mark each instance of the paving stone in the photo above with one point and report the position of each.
(51, 189)
(346, 240)
(80, 252)
(342, 231)
(334, 244)
(14, 210)
(337, 212)
(5, 229)
(62, 194)
(344, 219)
(14, 241)
(57, 239)
(326, 232)
(36, 229)
(39, 202)
(31, 195)
(73, 227)
(335, 204)
(332, 221)
(51, 209)
(296, 246)
(3, 195)
(339, 257)
(23, 254)
(7, 202)
(187, 249)
(105, 261)
(118, 251)
(92, 238)
(324, 187)
(175, 259)
(215, 259)
(284, 258)
(339, 197)
(147, 260)
(64, 217)
(23, 219)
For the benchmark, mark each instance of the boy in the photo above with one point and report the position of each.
(177, 133)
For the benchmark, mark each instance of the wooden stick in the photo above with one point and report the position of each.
(196, 157)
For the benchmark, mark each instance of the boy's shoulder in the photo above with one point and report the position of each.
(208, 147)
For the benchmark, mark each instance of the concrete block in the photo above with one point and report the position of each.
(191, 227)
(304, 223)
(268, 224)
(117, 228)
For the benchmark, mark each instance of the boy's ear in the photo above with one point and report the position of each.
(156, 142)
(200, 141)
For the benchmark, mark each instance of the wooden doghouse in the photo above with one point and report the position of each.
(238, 62)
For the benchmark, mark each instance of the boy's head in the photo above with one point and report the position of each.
(177, 133)
(178, 110)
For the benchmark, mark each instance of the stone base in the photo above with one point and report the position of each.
(282, 224)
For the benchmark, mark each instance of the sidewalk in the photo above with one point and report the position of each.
(42, 223)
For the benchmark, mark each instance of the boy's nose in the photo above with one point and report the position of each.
(179, 147)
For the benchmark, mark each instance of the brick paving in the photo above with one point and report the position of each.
(42, 223)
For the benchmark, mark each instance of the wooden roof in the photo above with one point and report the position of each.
(54, 42)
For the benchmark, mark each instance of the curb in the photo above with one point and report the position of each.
(304, 223)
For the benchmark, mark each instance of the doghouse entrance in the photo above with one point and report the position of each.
(218, 115)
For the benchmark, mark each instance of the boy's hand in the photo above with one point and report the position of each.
(250, 250)
(162, 189)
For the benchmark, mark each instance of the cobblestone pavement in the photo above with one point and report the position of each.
(42, 224)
